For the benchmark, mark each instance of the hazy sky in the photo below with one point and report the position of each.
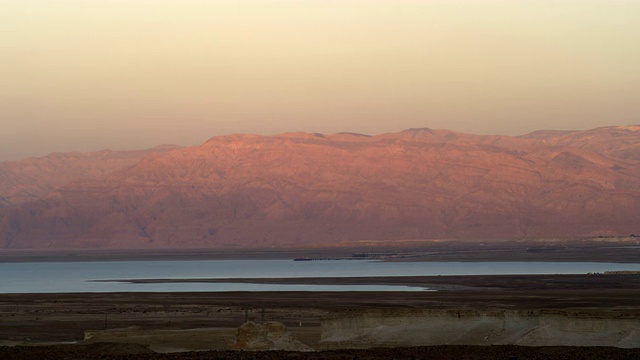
(126, 74)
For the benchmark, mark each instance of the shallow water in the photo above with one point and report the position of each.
(48, 277)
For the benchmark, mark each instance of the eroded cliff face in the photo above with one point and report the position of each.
(470, 327)
(272, 335)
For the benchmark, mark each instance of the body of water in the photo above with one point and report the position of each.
(59, 277)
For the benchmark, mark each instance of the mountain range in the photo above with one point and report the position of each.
(301, 189)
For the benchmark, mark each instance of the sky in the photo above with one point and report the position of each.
(128, 74)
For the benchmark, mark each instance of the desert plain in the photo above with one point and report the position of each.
(589, 316)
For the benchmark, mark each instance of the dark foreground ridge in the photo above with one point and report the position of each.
(106, 351)
(562, 310)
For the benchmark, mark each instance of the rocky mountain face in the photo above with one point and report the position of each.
(33, 178)
(299, 189)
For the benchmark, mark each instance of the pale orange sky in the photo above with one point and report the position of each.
(128, 74)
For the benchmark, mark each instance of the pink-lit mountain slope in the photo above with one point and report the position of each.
(33, 178)
(621, 141)
(300, 189)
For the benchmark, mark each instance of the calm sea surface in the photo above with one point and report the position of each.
(53, 277)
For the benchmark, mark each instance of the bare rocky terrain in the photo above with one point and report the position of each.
(487, 317)
(119, 351)
(298, 189)
(33, 178)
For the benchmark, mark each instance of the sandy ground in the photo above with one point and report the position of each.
(118, 351)
(167, 322)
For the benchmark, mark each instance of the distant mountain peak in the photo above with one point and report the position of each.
(301, 135)
(418, 131)
(305, 189)
(353, 134)
(545, 134)
(630, 127)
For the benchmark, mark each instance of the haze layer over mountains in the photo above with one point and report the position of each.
(299, 189)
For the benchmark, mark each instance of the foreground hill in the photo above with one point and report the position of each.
(300, 189)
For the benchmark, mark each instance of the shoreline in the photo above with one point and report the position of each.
(438, 282)
(592, 249)
(147, 318)
(204, 321)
